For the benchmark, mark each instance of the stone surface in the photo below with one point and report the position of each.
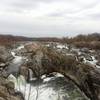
(47, 60)
(5, 54)
(43, 60)
(7, 91)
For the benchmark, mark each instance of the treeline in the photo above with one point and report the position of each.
(91, 41)
(10, 39)
(47, 39)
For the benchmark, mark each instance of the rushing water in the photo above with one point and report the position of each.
(55, 88)
(16, 63)
(48, 88)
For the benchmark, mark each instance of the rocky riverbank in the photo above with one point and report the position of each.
(79, 66)
(7, 89)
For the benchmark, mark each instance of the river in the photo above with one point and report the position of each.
(48, 88)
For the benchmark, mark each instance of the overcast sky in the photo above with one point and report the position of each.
(40, 18)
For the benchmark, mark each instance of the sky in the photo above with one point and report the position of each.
(49, 18)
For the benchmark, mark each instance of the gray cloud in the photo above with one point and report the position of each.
(95, 16)
(49, 17)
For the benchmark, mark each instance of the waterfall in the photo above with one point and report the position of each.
(31, 75)
(31, 92)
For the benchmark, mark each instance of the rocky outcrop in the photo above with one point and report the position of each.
(46, 60)
(5, 54)
(7, 91)
(5, 57)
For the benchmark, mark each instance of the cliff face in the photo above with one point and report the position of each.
(44, 60)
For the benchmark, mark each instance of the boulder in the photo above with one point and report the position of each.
(5, 54)
(89, 58)
(7, 91)
(98, 63)
(24, 71)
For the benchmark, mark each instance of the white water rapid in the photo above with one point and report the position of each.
(51, 88)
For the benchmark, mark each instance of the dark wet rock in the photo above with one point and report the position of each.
(19, 95)
(21, 52)
(3, 66)
(89, 58)
(98, 63)
(86, 56)
(67, 87)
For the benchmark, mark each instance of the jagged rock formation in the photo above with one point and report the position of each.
(7, 91)
(43, 60)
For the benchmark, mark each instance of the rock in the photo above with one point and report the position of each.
(98, 63)
(21, 52)
(24, 71)
(10, 87)
(81, 59)
(86, 56)
(4, 73)
(7, 91)
(5, 54)
(2, 65)
(89, 58)
(19, 95)
(32, 47)
(2, 98)
(97, 57)
(3, 81)
(85, 50)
